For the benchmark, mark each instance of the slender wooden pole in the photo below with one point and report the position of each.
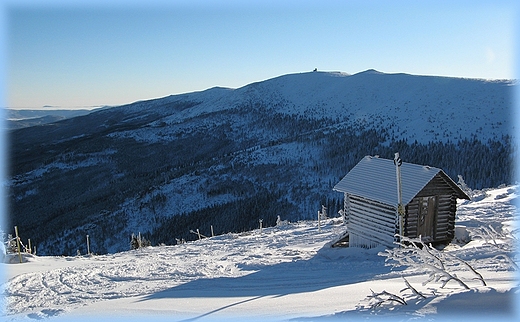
(319, 221)
(29, 247)
(400, 208)
(88, 246)
(18, 242)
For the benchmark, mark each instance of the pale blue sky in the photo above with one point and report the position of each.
(79, 55)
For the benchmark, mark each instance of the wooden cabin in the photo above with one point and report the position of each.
(428, 195)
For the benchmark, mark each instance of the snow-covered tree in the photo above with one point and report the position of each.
(462, 184)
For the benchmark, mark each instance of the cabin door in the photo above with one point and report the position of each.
(427, 218)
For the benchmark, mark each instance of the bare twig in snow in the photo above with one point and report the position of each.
(411, 288)
(384, 296)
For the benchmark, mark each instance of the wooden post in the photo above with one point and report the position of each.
(212, 234)
(88, 247)
(18, 242)
(319, 221)
(29, 247)
(400, 209)
(260, 220)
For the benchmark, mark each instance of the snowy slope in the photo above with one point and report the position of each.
(422, 108)
(288, 272)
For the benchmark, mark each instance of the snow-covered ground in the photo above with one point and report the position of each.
(288, 272)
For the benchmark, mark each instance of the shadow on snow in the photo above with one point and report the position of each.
(330, 267)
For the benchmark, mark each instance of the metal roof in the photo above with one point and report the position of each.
(375, 178)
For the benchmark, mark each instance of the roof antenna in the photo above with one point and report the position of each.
(400, 209)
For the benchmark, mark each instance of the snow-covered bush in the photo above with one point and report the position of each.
(493, 248)
(11, 246)
(376, 300)
(137, 242)
(384, 298)
(421, 258)
(498, 247)
(440, 266)
(280, 222)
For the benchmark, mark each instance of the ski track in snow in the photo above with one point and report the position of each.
(291, 268)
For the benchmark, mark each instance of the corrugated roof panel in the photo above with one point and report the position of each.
(375, 178)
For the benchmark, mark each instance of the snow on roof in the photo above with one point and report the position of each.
(375, 178)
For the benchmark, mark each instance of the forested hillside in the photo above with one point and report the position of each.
(228, 158)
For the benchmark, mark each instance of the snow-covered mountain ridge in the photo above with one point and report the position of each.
(422, 108)
(229, 157)
(286, 272)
